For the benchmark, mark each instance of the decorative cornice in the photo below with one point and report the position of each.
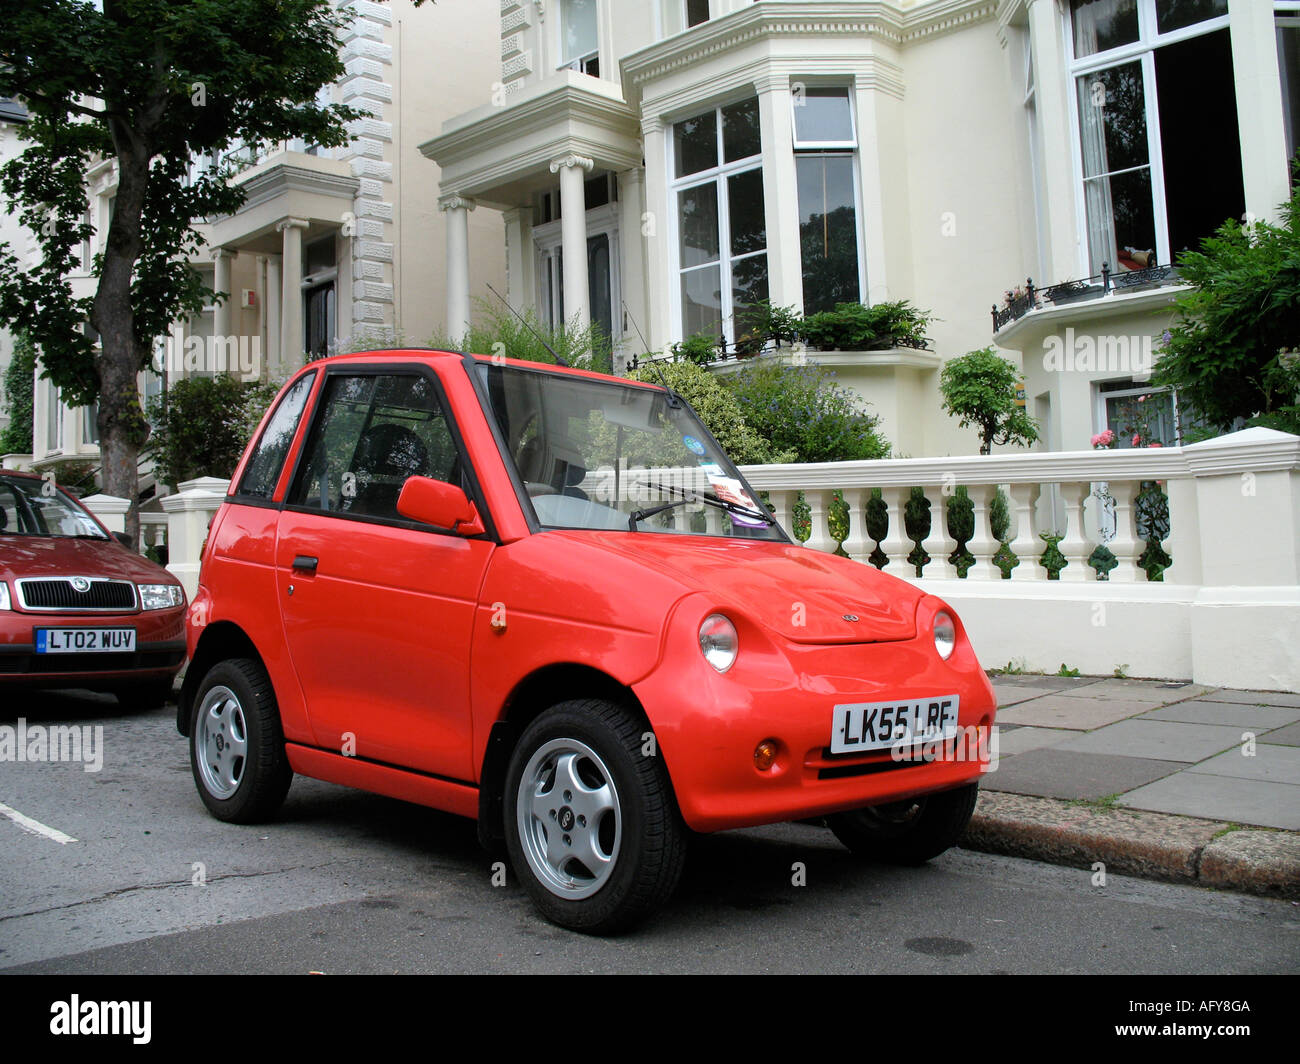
(285, 177)
(572, 160)
(800, 18)
(453, 201)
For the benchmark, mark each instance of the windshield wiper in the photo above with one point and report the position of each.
(693, 496)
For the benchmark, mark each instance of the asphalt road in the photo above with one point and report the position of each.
(350, 882)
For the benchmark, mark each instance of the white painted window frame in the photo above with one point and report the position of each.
(1143, 50)
(717, 175)
(850, 147)
(547, 240)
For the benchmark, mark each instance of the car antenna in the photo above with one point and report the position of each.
(554, 354)
(674, 400)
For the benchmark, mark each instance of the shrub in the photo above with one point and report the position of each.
(202, 424)
(700, 349)
(718, 409)
(498, 332)
(856, 327)
(801, 410)
(19, 382)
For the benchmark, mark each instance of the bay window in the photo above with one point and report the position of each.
(579, 48)
(825, 147)
(721, 229)
(1160, 151)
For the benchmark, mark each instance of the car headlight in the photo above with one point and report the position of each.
(719, 642)
(4, 596)
(160, 596)
(945, 635)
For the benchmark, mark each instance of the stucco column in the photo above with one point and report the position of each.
(224, 314)
(274, 356)
(573, 171)
(654, 236)
(1259, 107)
(1052, 86)
(780, 192)
(291, 324)
(631, 197)
(457, 210)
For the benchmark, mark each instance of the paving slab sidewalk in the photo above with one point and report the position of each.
(1171, 781)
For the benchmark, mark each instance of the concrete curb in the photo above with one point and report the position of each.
(1176, 849)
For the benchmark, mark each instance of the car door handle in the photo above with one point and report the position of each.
(305, 563)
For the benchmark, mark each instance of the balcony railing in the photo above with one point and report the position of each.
(1033, 297)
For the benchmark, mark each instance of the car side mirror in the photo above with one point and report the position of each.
(434, 502)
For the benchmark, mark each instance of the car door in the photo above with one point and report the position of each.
(378, 610)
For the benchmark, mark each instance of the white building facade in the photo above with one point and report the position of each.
(660, 165)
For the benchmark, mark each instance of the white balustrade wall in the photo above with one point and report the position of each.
(1226, 611)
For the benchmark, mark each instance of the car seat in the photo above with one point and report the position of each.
(386, 456)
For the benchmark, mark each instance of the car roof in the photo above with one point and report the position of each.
(429, 354)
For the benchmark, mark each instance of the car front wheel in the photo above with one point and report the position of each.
(908, 832)
(236, 744)
(592, 827)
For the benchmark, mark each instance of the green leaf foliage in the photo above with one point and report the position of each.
(718, 408)
(803, 411)
(979, 389)
(19, 384)
(203, 424)
(1234, 351)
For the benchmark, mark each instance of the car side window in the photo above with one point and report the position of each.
(372, 433)
(263, 472)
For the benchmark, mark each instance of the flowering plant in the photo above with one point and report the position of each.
(1104, 440)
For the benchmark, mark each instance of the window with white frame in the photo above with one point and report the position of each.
(696, 11)
(825, 147)
(721, 227)
(1160, 152)
(579, 39)
(53, 419)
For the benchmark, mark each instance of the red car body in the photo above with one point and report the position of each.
(409, 663)
(53, 562)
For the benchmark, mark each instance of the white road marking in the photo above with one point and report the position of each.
(35, 827)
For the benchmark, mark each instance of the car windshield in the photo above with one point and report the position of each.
(603, 455)
(30, 507)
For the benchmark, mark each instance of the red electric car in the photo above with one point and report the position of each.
(77, 609)
(546, 599)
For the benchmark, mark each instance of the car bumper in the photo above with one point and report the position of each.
(159, 650)
(707, 726)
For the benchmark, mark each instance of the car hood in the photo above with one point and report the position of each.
(803, 595)
(42, 556)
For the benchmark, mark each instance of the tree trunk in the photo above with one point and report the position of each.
(122, 427)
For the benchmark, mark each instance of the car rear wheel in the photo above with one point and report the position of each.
(236, 744)
(592, 827)
(910, 832)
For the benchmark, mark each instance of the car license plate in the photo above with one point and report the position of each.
(85, 640)
(860, 727)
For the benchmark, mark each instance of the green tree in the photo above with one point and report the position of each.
(802, 410)
(979, 389)
(20, 376)
(150, 84)
(1234, 352)
(202, 428)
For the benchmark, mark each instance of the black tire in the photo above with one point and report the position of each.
(635, 824)
(147, 694)
(235, 707)
(910, 832)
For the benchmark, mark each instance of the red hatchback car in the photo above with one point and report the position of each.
(77, 609)
(546, 599)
